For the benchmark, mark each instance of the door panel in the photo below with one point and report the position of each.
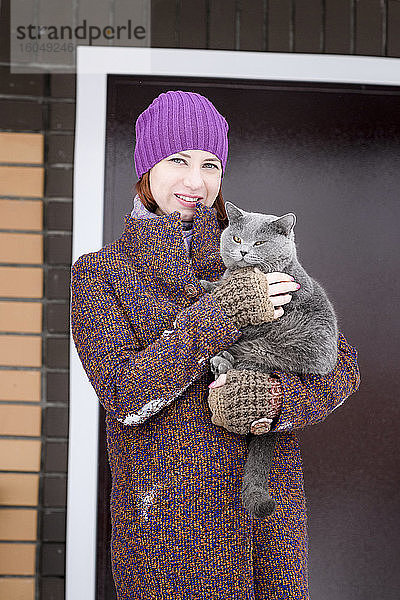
(331, 155)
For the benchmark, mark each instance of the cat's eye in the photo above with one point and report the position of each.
(258, 243)
(236, 239)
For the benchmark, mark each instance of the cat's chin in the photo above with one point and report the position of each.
(278, 266)
(241, 263)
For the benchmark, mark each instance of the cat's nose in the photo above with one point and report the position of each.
(243, 253)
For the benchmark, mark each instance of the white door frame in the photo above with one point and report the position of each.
(93, 66)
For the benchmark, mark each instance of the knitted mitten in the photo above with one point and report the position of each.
(244, 297)
(245, 397)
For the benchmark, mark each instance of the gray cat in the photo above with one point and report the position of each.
(303, 340)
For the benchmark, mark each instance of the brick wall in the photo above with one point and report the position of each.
(36, 171)
(21, 315)
(36, 154)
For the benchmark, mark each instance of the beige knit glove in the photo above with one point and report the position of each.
(244, 297)
(246, 396)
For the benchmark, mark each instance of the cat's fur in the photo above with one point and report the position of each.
(303, 340)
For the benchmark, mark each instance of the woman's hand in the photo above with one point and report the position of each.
(245, 296)
(218, 382)
(263, 401)
(280, 285)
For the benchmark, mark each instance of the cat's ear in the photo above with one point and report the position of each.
(234, 213)
(284, 224)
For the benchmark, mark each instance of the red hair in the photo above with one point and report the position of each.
(144, 192)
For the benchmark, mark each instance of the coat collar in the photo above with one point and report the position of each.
(157, 248)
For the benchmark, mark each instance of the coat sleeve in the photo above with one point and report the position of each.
(309, 399)
(134, 383)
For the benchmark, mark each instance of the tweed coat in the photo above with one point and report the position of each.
(144, 330)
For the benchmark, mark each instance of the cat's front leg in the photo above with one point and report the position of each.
(221, 363)
(209, 286)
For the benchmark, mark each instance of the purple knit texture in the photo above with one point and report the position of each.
(178, 121)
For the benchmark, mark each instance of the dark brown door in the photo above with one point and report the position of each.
(331, 154)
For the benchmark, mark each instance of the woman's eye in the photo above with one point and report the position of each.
(236, 239)
(177, 159)
(258, 243)
(211, 165)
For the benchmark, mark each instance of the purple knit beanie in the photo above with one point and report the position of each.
(177, 121)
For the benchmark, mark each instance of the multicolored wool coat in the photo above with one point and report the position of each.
(144, 330)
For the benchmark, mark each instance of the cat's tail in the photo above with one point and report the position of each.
(256, 498)
(257, 501)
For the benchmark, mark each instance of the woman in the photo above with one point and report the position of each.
(144, 330)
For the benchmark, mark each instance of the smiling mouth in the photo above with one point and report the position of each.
(188, 200)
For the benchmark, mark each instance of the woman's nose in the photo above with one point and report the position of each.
(193, 178)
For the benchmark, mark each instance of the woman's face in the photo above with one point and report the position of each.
(182, 179)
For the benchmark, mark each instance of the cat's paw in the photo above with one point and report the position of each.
(221, 363)
(206, 285)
